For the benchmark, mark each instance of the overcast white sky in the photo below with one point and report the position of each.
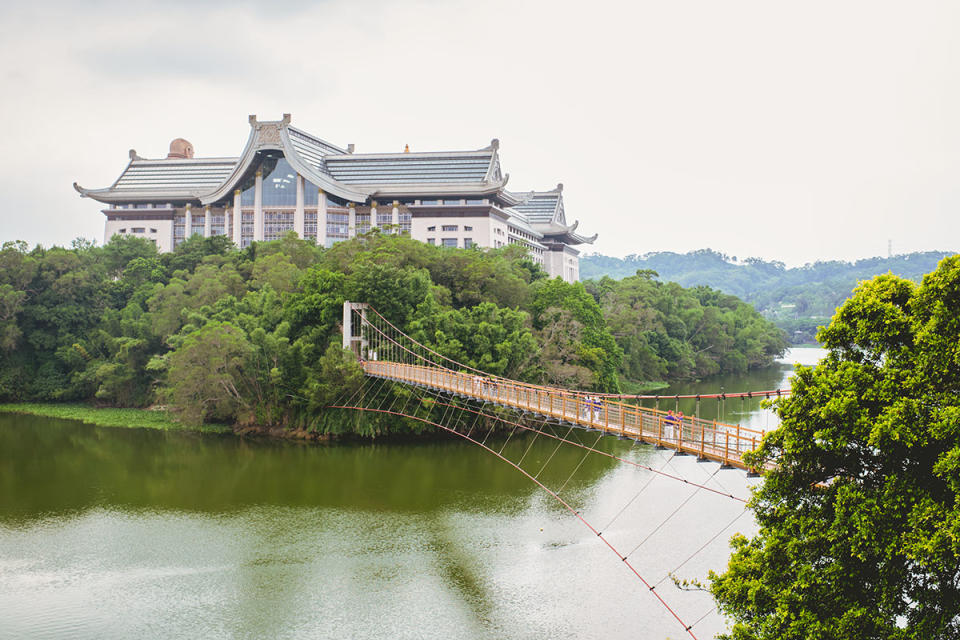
(793, 131)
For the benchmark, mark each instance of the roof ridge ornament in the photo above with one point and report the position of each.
(133, 156)
(559, 188)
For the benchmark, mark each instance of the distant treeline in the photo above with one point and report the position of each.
(797, 299)
(252, 336)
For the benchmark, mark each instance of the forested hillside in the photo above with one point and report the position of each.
(251, 337)
(797, 299)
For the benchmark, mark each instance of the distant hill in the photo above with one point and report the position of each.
(797, 299)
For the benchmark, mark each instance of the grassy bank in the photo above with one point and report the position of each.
(129, 418)
(631, 387)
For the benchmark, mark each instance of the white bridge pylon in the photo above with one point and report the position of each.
(387, 353)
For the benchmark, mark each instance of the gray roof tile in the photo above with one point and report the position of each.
(410, 168)
(175, 174)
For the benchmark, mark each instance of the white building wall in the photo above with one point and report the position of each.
(571, 258)
(160, 231)
(482, 232)
(565, 263)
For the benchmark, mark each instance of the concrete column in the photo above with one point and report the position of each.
(396, 217)
(351, 220)
(207, 222)
(237, 219)
(298, 221)
(321, 218)
(258, 208)
(347, 324)
(373, 214)
(188, 230)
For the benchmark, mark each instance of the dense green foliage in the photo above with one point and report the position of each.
(798, 299)
(251, 337)
(860, 522)
(667, 332)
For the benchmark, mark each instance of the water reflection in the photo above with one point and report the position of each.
(110, 533)
(748, 412)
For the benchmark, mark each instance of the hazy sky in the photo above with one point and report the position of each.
(794, 131)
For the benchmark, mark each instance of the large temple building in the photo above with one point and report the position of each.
(289, 180)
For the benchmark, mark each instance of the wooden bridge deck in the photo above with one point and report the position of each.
(707, 439)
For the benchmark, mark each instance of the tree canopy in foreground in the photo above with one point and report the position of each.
(860, 522)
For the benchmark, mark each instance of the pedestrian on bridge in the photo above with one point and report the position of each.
(671, 422)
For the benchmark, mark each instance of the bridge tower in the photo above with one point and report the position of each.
(354, 337)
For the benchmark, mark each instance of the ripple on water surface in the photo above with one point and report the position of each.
(118, 534)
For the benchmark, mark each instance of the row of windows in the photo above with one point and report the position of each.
(142, 205)
(451, 242)
(137, 230)
(450, 227)
(451, 202)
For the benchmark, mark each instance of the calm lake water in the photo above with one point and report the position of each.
(114, 533)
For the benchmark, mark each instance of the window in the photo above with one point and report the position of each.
(279, 185)
(467, 243)
(467, 227)
(452, 202)
(450, 227)
(122, 231)
(137, 230)
(433, 228)
(431, 241)
(450, 242)
(153, 230)
(475, 201)
(430, 202)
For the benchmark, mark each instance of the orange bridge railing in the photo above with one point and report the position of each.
(707, 439)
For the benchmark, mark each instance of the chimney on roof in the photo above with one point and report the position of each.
(406, 148)
(350, 148)
(180, 148)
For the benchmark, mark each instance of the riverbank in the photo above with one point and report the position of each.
(164, 421)
(111, 417)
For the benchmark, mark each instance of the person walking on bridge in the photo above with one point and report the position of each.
(670, 424)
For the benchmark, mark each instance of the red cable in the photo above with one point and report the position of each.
(603, 453)
(623, 558)
(744, 394)
(512, 382)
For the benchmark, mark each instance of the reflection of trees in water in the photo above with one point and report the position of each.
(84, 466)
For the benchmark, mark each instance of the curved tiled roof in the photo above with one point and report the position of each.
(352, 177)
(540, 206)
(312, 149)
(410, 168)
(175, 174)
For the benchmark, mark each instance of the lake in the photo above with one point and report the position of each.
(115, 533)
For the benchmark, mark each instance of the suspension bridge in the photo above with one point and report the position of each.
(464, 401)
(387, 353)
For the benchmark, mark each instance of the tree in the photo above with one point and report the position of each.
(594, 346)
(860, 520)
(206, 374)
